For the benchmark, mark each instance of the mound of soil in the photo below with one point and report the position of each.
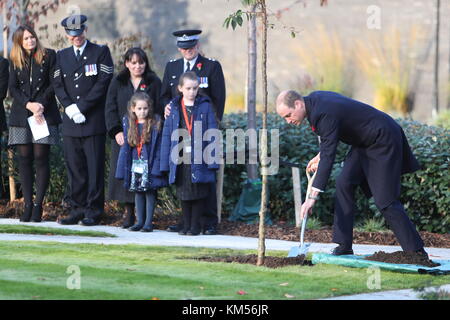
(402, 257)
(270, 262)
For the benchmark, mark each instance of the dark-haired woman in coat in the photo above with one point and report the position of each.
(135, 76)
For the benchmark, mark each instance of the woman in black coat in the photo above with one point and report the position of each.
(135, 76)
(30, 86)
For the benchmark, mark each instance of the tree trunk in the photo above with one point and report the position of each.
(263, 141)
(252, 169)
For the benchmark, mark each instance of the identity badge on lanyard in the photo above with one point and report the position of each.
(187, 142)
(139, 165)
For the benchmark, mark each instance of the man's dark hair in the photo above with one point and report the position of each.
(290, 97)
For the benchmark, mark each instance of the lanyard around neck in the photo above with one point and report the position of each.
(186, 120)
(141, 140)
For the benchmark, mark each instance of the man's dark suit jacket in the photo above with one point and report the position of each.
(380, 143)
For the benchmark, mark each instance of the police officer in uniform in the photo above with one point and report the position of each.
(379, 155)
(82, 75)
(212, 84)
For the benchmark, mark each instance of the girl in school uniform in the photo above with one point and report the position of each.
(138, 163)
(192, 178)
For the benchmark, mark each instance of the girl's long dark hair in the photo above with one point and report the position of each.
(150, 123)
(124, 74)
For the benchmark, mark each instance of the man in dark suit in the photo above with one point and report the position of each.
(82, 76)
(380, 154)
(4, 77)
(212, 84)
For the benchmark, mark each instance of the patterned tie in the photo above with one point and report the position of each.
(78, 54)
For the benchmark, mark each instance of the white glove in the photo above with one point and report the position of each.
(79, 118)
(72, 110)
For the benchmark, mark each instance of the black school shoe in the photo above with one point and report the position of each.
(73, 218)
(36, 216)
(174, 228)
(342, 250)
(210, 232)
(27, 211)
(89, 222)
(135, 227)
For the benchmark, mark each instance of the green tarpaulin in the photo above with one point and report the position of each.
(359, 262)
(247, 208)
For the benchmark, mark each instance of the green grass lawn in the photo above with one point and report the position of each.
(39, 270)
(21, 229)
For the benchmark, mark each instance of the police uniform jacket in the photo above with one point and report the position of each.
(212, 82)
(84, 83)
(379, 142)
(119, 94)
(33, 83)
(4, 75)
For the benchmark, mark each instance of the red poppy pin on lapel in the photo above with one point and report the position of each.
(199, 66)
(313, 128)
(143, 86)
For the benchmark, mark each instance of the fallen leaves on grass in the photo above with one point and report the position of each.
(241, 292)
(289, 296)
(284, 284)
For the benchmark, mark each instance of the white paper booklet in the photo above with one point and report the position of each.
(39, 131)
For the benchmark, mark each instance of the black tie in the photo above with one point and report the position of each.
(78, 54)
(188, 66)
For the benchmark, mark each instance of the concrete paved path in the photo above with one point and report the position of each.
(164, 238)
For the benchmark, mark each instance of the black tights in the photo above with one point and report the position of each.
(39, 155)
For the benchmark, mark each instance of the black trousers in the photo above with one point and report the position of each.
(345, 209)
(85, 162)
(192, 213)
(210, 219)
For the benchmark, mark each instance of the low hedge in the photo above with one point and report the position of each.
(426, 193)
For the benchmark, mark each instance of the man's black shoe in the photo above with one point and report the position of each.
(210, 232)
(341, 250)
(89, 222)
(173, 228)
(71, 219)
(423, 252)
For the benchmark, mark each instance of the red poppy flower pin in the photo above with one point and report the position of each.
(313, 128)
(199, 66)
(143, 86)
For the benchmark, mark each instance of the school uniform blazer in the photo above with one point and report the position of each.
(212, 82)
(84, 83)
(33, 84)
(204, 171)
(157, 178)
(379, 142)
(4, 76)
(119, 94)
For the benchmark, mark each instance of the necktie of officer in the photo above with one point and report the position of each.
(78, 54)
(188, 66)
